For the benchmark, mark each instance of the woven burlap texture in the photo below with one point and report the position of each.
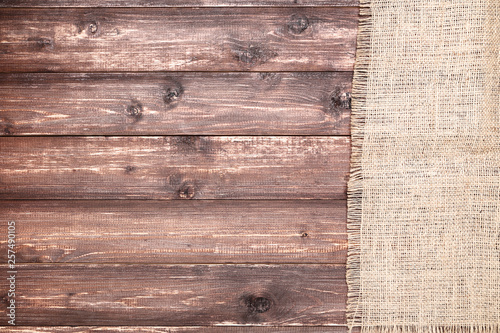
(424, 192)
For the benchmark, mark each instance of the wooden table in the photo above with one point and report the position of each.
(176, 166)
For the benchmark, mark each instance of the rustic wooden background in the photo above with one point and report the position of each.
(176, 166)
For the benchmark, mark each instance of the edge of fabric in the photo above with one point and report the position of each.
(354, 309)
(355, 184)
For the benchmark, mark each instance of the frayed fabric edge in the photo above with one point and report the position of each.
(494, 328)
(355, 184)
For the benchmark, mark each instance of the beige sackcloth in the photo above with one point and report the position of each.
(424, 193)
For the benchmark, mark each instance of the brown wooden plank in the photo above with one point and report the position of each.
(174, 167)
(185, 329)
(314, 103)
(200, 231)
(177, 39)
(177, 3)
(83, 294)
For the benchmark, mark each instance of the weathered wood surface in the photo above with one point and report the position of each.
(176, 265)
(84, 294)
(171, 329)
(200, 231)
(175, 104)
(177, 3)
(177, 39)
(174, 167)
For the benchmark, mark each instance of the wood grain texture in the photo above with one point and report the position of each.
(177, 3)
(175, 104)
(82, 294)
(141, 79)
(177, 39)
(174, 167)
(200, 231)
(171, 329)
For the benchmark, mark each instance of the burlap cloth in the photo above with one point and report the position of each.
(424, 193)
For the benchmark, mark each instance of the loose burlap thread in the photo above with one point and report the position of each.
(424, 192)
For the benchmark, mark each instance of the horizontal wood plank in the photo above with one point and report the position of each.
(177, 3)
(83, 294)
(175, 104)
(200, 231)
(177, 39)
(174, 167)
(184, 329)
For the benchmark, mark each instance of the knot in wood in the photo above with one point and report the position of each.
(186, 191)
(42, 42)
(129, 169)
(298, 23)
(4, 299)
(93, 27)
(135, 110)
(258, 304)
(171, 95)
(341, 100)
(251, 55)
(7, 129)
